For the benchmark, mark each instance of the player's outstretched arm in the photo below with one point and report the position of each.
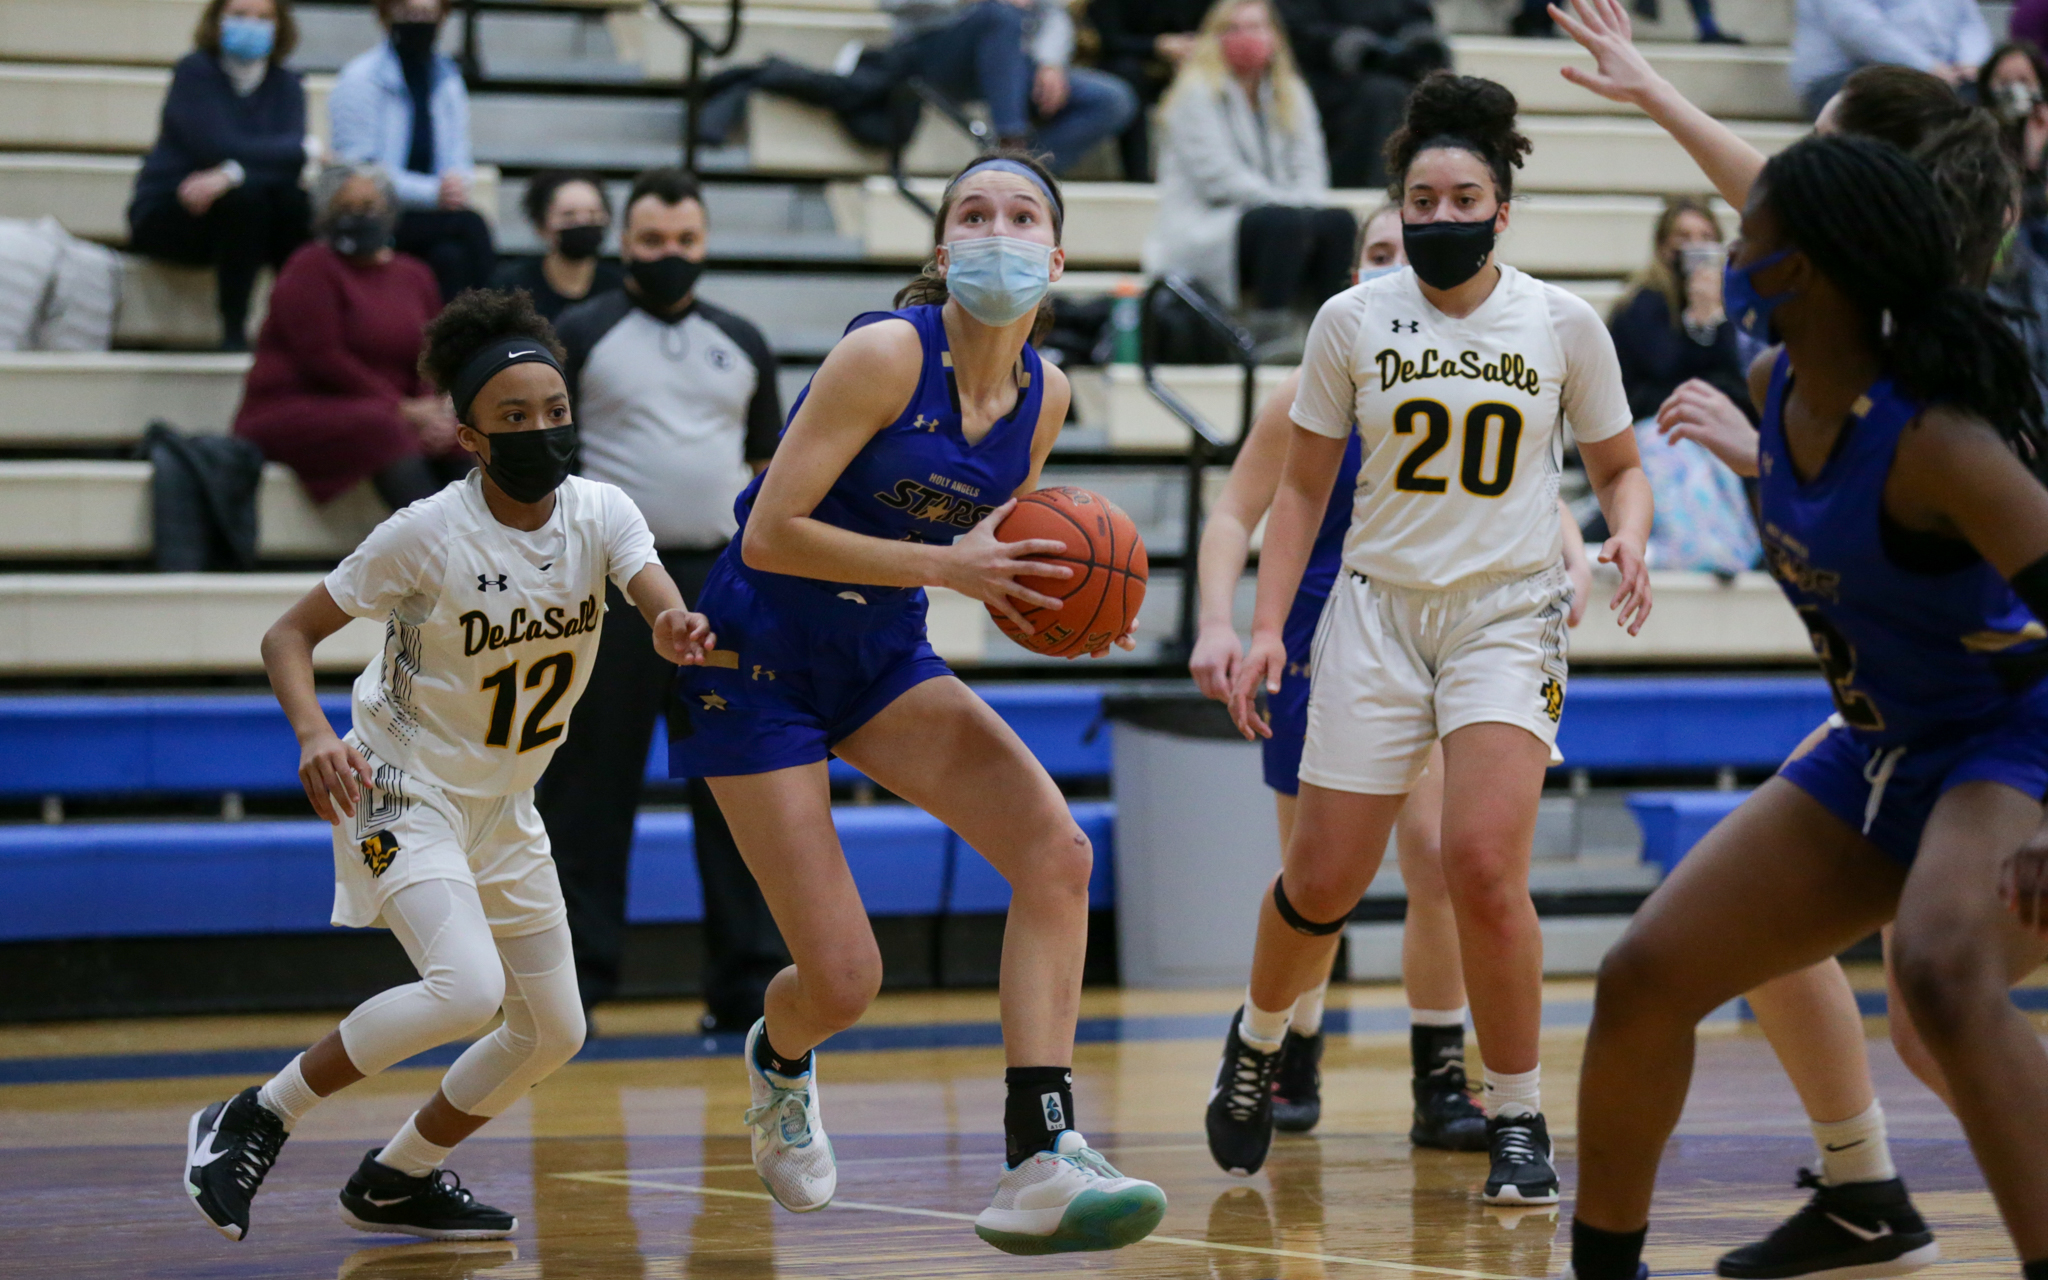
(1622, 74)
(680, 636)
(1616, 470)
(332, 772)
(1227, 539)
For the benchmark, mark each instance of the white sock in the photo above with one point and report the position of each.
(1263, 1029)
(1516, 1094)
(1436, 1017)
(1308, 1009)
(411, 1154)
(1856, 1149)
(287, 1095)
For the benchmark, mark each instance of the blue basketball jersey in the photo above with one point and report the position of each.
(918, 479)
(1907, 652)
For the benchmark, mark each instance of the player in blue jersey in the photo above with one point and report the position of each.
(1905, 518)
(900, 459)
(1445, 1115)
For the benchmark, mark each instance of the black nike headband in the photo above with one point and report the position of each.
(496, 356)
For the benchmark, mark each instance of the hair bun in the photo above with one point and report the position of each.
(476, 318)
(1468, 108)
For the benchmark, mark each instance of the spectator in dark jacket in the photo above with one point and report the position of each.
(336, 393)
(1361, 58)
(570, 213)
(220, 187)
(1143, 43)
(1669, 327)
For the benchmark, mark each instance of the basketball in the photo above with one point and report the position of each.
(1108, 559)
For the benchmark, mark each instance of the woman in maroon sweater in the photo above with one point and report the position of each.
(335, 392)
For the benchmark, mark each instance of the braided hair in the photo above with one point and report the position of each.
(1873, 222)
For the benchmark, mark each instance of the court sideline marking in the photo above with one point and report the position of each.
(622, 1178)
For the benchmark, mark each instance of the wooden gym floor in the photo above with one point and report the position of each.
(631, 1163)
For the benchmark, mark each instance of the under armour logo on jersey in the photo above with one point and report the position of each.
(1414, 326)
(760, 671)
(1055, 1114)
(484, 583)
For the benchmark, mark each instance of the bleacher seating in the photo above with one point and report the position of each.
(1674, 821)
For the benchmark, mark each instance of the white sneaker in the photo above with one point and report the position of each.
(1068, 1200)
(791, 1152)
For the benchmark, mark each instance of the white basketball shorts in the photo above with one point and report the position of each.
(1394, 669)
(407, 830)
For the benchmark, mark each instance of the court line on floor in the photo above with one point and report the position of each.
(864, 1161)
(1408, 1268)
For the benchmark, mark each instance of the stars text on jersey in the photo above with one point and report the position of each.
(1508, 370)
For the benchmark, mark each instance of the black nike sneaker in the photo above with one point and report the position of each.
(1298, 1083)
(1240, 1120)
(1848, 1232)
(437, 1206)
(229, 1147)
(1522, 1172)
(1446, 1118)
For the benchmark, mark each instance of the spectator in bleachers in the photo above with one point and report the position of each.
(1017, 57)
(1670, 331)
(1362, 58)
(1832, 38)
(1243, 181)
(1143, 43)
(2014, 86)
(570, 212)
(336, 393)
(220, 187)
(403, 105)
(677, 404)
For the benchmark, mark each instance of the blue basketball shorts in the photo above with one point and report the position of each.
(1888, 792)
(1287, 710)
(800, 667)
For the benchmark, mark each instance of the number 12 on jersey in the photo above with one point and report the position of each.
(558, 669)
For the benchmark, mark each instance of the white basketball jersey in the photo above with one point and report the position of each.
(489, 632)
(1461, 422)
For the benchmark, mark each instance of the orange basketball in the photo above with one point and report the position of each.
(1108, 559)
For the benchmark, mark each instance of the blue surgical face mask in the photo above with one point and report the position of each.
(1740, 299)
(249, 39)
(998, 279)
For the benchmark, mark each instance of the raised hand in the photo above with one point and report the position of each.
(1620, 71)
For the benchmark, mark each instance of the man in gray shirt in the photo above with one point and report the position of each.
(1832, 38)
(676, 404)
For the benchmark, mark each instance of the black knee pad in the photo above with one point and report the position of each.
(1300, 923)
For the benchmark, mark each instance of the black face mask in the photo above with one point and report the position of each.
(530, 465)
(579, 244)
(414, 41)
(358, 235)
(663, 282)
(1447, 254)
